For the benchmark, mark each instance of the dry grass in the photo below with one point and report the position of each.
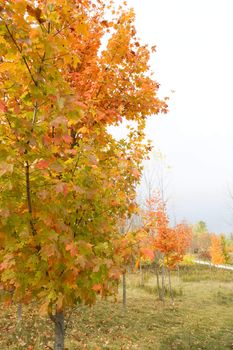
(201, 318)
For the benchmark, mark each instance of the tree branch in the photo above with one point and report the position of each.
(66, 26)
(29, 200)
(23, 57)
(34, 115)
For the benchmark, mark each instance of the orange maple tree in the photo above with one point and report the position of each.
(171, 242)
(65, 181)
(216, 250)
(168, 244)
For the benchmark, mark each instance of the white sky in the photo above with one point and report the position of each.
(195, 58)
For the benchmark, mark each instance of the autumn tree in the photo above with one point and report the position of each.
(201, 240)
(224, 248)
(131, 248)
(169, 242)
(173, 242)
(65, 181)
(216, 250)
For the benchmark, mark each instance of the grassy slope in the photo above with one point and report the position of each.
(201, 318)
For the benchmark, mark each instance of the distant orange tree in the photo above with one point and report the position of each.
(169, 243)
(216, 250)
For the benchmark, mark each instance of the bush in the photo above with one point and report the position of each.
(188, 260)
(204, 255)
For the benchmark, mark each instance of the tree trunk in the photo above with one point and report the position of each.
(163, 283)
(158, 286)
(178, 272)
(19, 312)
(58, 320)
(141, 274)
(124, 289)
(170, 285)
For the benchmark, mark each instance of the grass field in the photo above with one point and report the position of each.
(200, 318)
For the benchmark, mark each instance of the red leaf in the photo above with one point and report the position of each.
(42, 164)
(3, 107)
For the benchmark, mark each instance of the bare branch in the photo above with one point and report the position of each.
(29, 200)
(34, 115)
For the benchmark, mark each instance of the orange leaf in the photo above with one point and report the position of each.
(42, 164)
(3, 107)
(97, 287)
(72, 248)
(148, 253)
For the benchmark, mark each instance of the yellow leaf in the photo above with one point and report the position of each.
(83, 130)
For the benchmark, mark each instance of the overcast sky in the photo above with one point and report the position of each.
(195, 58)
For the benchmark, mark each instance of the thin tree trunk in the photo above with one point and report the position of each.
(165, 277)
(178, 272)
(170, 285)
(158, 285)
(124, 289)
(163, 283)
(141, 274)
(19, 312)
(59, 328)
